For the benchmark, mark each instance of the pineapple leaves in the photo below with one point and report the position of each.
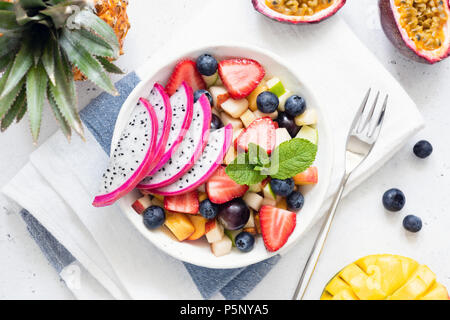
(109, 67)
(6, 6)
(7, 101)
(87, 64)
(64, 95)
(8, 21)
(36, 85)
(65, 127)
(32, 4)
(48, 60)
(14, 111)
(92, 43)
(88, 20)
(4, 61)
(7, 45)
(22, 63)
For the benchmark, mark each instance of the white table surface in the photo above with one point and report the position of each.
(362, 225)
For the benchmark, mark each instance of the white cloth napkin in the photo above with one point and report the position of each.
(58, 184)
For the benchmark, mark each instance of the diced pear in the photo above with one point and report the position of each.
(211, 80)
(308, 133)
(213, 231)
(221, 247)
(251, 220)
(276, 87)
(255, 187)
(219, 95)
(253, 200)
(281, 135)
(252, 97)
(269, 202)
(179, 224)
(258, 114)
(282, 100)
(307, 118)
(268, 193)
(231, 234)
(235, 108)
(199, 223)
(235, 123)
(230, 155)
(247, 117)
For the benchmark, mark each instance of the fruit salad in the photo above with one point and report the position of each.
(220, 154)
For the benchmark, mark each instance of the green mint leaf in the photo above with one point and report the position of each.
(243, 172)
(257, 155)
(291, 157)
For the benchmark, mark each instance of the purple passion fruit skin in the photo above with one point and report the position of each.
(400, 39)
(261, 7)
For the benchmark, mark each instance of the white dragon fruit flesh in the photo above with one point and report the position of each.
(218, 143)
(181, 103)
(189, 150)
(131, 157)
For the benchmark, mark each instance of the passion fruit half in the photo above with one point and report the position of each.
(298, 11)
(418, 28)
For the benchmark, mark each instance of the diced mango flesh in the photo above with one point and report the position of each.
(179, 224)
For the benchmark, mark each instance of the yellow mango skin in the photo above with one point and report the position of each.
(379, 277)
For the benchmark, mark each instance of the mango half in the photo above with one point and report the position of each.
(385, 277)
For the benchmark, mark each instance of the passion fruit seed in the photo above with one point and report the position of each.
(299, 7)
(424, 21)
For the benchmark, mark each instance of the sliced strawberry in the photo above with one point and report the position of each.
(260, 132)
(240, 76)
(221, 188)
(276, 226)
(185, 70)
(185, 203)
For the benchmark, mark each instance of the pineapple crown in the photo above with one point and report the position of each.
(40, 42)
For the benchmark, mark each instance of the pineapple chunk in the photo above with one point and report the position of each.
(179, 224)
(222, 247)
(253, 200)
(235, 123)
(252, 97)
(258, 114)
(307, 118)
(214, 231)
(235, 108)
(247, 117)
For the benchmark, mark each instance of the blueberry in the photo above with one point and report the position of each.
(394, 200)
(285, 121)
(295, 105)
(199, 93)
(282, 187)
(206, 65)
(295, 201)
(244, 241)
(423, 149)
(154, 217)
(412, 223)
(216, 123)
(208, 209)
(267, 102)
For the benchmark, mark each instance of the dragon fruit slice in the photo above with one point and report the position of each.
(218, 143)
(160, 101)
(181, 103)
(132, 156)
(188, 152)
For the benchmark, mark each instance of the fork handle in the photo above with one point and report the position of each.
(318, 245)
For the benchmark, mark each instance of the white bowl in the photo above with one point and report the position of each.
(198, 252)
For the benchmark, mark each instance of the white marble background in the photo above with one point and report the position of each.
(362, 225)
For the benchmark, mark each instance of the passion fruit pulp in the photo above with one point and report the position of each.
(418, 28)
(298, 11)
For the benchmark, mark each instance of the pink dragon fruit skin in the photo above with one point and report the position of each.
(161, 104)
(183, 98)
(214, 152)
(181, 161)
(129, 140)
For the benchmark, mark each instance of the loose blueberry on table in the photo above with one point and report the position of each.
(394, 200)
(219, 113)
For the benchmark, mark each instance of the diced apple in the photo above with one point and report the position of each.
(141, 204)
(276, 87)
(199, 223)
(179, 224)
(247, 117)
(268, 193)
(221, 247)
(282, 100)
(235, 123)
(307, 118)
(253, 200)
(308, 133)
(231, 234)
(219, 95)
(309, 176)
(252, 97)
(214, 231)
(211, 80)
(258, 114)
(230, 155)
(281, 135)
(235, 108)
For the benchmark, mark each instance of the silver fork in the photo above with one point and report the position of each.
(361, 139)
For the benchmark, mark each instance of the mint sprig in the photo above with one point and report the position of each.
(288, 159)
